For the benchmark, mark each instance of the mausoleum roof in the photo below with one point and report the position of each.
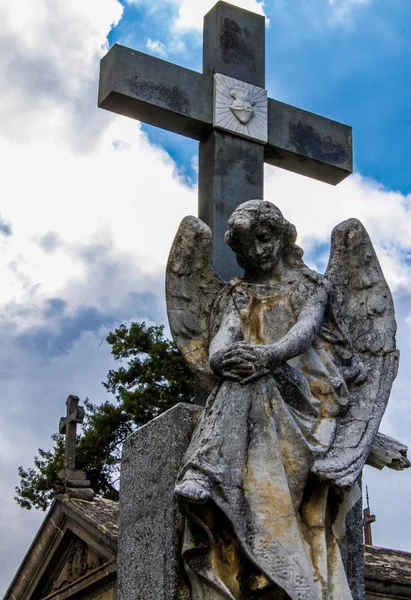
(100, 512)
(74, 531)
(384, 564)
(386, 571)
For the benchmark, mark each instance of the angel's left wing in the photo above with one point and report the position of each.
(192, 287)
(366, 312)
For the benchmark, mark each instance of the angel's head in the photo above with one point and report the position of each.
(262, 238)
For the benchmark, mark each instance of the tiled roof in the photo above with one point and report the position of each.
(384, 564)
(381, 564)
(104, 513)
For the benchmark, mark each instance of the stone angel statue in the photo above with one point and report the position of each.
(298, 367)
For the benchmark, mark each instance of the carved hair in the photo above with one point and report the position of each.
(268, 213)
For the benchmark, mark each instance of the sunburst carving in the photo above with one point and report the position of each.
(240, 108)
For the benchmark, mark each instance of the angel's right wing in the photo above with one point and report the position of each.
(363, 299)
(192, 286)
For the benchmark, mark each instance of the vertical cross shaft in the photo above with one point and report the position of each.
(231, 169)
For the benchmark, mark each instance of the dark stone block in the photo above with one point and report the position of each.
(352, 552)
(308, 144)
(149, 564)
(231, 172)
(155, 91)
(234, 44)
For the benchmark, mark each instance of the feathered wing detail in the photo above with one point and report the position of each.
(192, 287)
(366, 312)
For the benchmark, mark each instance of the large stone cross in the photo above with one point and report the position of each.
(227, 109)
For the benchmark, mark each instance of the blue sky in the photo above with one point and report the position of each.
(91, 200)
(348, 67)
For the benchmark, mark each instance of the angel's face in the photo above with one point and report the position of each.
(259, 246)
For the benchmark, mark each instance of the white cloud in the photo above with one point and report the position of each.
(156, 47)
(316, 208)
(187, 16)
(318, 14)
(81, 200)
(191, 12)
(33, 19)
(49, 66)
(60, 181)
(344, 10)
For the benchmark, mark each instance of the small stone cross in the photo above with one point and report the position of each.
(228, 110)
(368, 520)
(68, 427)
(75, 482)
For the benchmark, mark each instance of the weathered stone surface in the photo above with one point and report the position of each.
(352, 551)
(80, 493)
(308, 144)
(68, 427)
(303, 365)
(155, 91)
(74, 482)
(366, 309)
(387, 452)
(149, 553)
(186, 280)
(273, 349)
(231, 171)
(387, 574)
(231, 168)
(234, 44)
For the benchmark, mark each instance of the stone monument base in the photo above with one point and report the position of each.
(149, 552)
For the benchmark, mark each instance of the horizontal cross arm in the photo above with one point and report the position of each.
(156, 92)
(308, 144)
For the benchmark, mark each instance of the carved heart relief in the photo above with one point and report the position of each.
(240, 108)
(242, 105)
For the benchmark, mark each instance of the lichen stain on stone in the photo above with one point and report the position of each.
(194, 348)
(315, 545)
(313, 519)
(252, 317)
(252, 321)
(324, 392)
(226, 560)
(308, 142)
(292, 465)
(172, 97)
(274, 507)
(197, 351)
(234, 49)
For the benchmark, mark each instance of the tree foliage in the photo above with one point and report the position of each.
(150, 379)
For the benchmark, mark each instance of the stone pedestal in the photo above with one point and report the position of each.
(352, 553)
(150, 526)
(149, 563)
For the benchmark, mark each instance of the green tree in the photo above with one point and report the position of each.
(151, 378)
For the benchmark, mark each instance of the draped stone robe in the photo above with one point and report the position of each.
(270, 529)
